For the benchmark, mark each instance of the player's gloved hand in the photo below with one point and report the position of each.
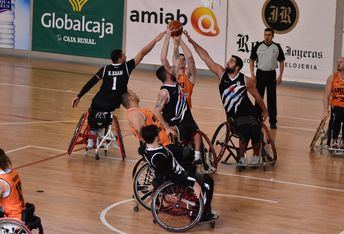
(76, 101)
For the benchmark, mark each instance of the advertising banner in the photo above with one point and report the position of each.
(304, 30)
(78, 27)
(205, 21)
(15, 24)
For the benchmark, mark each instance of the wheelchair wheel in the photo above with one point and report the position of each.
(220, 140)
(175, 208)
(119, 137)
(143, 186)
(268, 148)
(13, 226)
(207, 149)
(318, 133)
(77, 133)
(138, 164)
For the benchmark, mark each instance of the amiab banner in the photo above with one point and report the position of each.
(15, 24)
(303, 28)
(78, 27)
(205, 21)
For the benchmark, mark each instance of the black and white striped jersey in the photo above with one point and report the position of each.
(234, 96)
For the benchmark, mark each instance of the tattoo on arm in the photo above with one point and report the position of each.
(160, 103)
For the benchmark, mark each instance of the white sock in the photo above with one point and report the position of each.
(197, 155)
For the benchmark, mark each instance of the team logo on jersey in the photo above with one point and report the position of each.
(77, 4)
(280, 15)
(204, 22)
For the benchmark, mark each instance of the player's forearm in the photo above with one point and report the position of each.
(164, 51)
(185, 49)
(281, 68)
(200, 50)
(252, 67)
(92, 82)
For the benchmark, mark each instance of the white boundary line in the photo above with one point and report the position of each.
(17, 149)
(77, 153)
(38, 122)
(143, 99)
(103, 214)
(245, 197)
(283, 182)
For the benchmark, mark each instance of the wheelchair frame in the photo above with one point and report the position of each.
(322, 134)
(82, 133)
(227, 145)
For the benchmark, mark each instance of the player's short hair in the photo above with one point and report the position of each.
(5, 162)
(269, 30)
(125, 100)
(238, 61)
(181, 54)
(116, 54)
(161, 74)
(149, 133)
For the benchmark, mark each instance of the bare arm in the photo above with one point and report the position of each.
(164, 50)
(190, 61)
(281, 70)
(176, 43)
(214, 67)
(145, 50)
(162, 99)
(251, 88)
(327, 96)
(252, 68)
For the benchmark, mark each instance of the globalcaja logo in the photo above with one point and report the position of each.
(76, 22)
(204, 22)
(77, 4)
(280, 15)
(5, 5)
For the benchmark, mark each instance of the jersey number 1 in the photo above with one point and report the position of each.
(114, 83)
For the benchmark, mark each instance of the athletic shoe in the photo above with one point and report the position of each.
(200, 169)
(273, 126)
(255, 160)
(335, 144)
(90, 144)
(212, 216)
(242, 161)
(208, 162)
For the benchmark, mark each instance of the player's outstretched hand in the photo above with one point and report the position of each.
(76, 101)
(187, 35)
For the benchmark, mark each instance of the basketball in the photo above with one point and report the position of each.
(176, 28)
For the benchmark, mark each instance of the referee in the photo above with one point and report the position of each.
(267, 54)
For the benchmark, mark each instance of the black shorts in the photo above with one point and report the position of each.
(99, 119)
(248, 128)
(187, 128)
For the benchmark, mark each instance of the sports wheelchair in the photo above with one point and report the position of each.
(143, 175)
(174, 207)
(322, 140)
(225, 141)
(104, 138)
(30, 222)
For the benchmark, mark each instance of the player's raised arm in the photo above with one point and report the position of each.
(145, 50)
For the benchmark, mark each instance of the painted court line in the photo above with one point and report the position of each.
(283, 182)
(17, 149)
(144, 100)
(103, 214)
(245, 197)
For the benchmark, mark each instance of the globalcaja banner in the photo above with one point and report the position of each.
(205, 21)
(78, 27)
(15, 24)
(303, 28)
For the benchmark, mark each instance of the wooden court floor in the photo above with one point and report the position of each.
(303, 193)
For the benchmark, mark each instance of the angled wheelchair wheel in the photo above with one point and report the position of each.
(78, 133)
(137, 165)
(208, 150)
(175, 208)
(143, 186)
(13, 226)
(318, 132)
(268, 148)
(119, 137)
(220, 140)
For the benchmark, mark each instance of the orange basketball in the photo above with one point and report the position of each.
(176, 28)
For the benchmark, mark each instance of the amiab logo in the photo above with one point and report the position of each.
(77, 4)
(203, 21)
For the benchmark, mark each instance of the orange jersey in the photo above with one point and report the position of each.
(150, 119)
(12, 200)
(337, 98)
(187, 86)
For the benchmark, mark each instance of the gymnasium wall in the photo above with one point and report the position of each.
(87, 30)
